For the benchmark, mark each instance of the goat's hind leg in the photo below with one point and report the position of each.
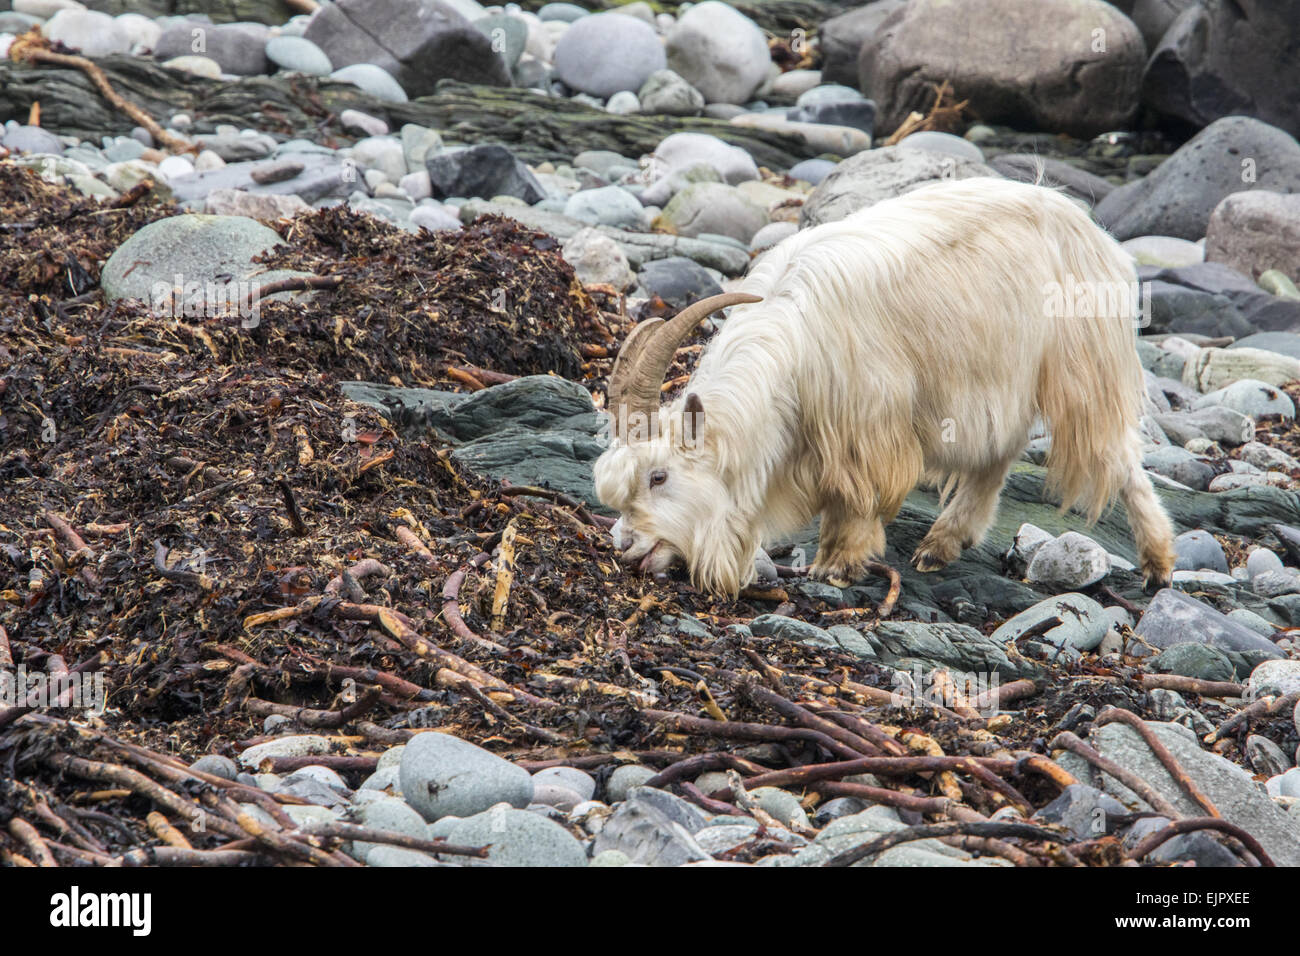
(1152, 530)
(848, 540)
(964, 520)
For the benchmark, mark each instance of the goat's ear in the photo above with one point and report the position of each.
(692, 421)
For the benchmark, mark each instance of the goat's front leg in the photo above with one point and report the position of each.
(848, 540)
(964, 520)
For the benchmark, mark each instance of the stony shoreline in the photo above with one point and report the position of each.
(297, 425)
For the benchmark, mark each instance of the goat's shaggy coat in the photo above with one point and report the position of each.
(917, 339)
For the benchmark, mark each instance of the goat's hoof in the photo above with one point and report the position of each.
(926, 561)
(833, 575)
(1152, 583)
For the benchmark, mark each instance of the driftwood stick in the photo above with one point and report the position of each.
(33, 46)
(315, 718)
(1264, 707)
(451, 606)
(1192, 685)
(738, 730)
(32, 841)
(995, 697)
(895, 586)
(350, 831)
(179, 856)
(365, 568)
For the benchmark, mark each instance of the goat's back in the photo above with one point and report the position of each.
(958, 311)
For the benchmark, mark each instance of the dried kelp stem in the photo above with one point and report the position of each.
(1191, 824)
(990, 828)
(1161, 752)
(32, 46)
(1067, 740)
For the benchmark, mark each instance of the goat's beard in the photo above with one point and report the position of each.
(722, 553)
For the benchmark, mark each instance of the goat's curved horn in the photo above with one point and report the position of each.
(647, 352)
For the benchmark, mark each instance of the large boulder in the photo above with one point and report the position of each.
(1072, 66)
(207, 256)
(1229, 155)
(681, 151)
(1154, 17)
(1225, 57)
(607, 53)
(1056, 173)
(869, 177)
(719, 51)
(88, 32)
(239, 48)
(419, 42)
(1256, 231)
(842, 38)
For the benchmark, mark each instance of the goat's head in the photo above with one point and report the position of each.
(661, 472)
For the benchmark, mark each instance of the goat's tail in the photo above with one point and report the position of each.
(1090, 389)
(1090, 384)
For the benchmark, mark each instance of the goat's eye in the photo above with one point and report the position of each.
(658, 477)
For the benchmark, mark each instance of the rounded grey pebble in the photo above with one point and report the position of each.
(274, 721)
(571, 778)
(216, 765)
(624, 779)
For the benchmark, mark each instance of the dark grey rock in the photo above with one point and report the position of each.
(838, 807)
(1220, 58)
(1175, 308)
(216, 765)
(1290, 540)
(1239, 799)
(239, 48)
(1085, 811)
(789, 629)
(956, 646)
(1202, 661)
(1179, 196)
(419, 42)
(1199, 550)
(1015, 62)
(1248, 309)
(486, 171)
(1056, 173)
(1266, 757)
(1180, 465)
(1198, 847)
(843, 36)
(1173, 617)
(856, 114)
(678, 281)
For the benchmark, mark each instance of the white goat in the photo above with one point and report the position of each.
(917, 339)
